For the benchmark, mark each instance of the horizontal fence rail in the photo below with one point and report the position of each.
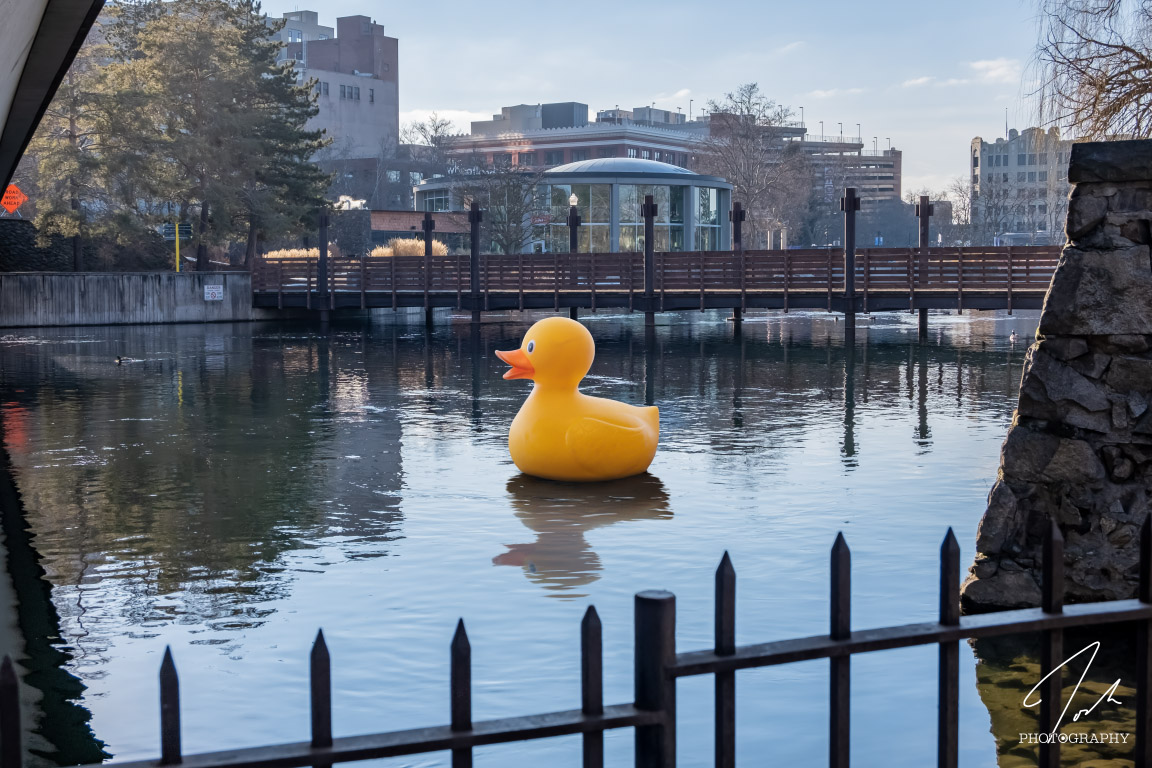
(657, 666)
(1023, 270)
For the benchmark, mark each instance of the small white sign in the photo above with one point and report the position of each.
(213, 293)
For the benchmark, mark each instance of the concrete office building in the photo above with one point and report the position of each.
(692, 209)
(540, 136)
(1020, 187)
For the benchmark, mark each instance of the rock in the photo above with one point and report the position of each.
(1110, 161)
(1060, 382)
(1064, 347)
(1074, 462)
(1092, 365)
(1129, 374)
(1002, 591)
(1085, 213)
(1096, 293)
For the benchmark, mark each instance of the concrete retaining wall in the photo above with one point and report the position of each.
(95, 298)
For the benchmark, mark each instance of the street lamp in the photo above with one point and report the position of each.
(801, 115)
(841, 129)
(821, 130)
(858, 131)
(889, 142)
(875, 144)
(573, 222)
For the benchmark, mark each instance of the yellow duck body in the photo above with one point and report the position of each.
(562, 434)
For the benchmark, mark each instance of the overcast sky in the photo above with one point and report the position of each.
(928, 75)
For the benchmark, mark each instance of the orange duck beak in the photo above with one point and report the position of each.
(521, 365)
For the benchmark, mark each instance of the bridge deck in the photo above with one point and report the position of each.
(885, 279)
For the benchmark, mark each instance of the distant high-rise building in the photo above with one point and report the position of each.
(1020, 187)
(355, 68)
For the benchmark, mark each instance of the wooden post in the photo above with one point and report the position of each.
(428, 225)
(737, 216)
(648, 211)
(924, 211)
(322, 263)
(475, 216)
(655, 687)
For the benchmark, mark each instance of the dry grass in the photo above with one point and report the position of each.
(409, 247)
(302, 253)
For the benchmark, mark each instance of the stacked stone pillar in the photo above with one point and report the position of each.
(1079, 450)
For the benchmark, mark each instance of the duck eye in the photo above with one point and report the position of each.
(531, 347)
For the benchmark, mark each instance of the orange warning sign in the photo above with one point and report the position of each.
(13, 198)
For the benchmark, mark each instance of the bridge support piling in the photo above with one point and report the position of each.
(428, 317)
(574, 313)
(649, 319)
(737, 316)
(923, 323)
(849, 204)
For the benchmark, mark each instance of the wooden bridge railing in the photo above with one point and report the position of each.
(657, 665)
(878, 270)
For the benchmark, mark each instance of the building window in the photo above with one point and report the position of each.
(975, 161)
(527, 158)
(356, 93)
(436, 200)
(1021, 175)
(1043, 158)
(322, 37)
(579, 154)
(657, 157)
(645, 155)
(394, 177)
(324, 88)
(1042, 176)
(414, 177)
(607, 152)
(295, 36)
(1021, 159)
(1031, 159)
(555, 157)
(1031, 175)
(1005, 178)
(975, 178)
(343, 91)
(631, 152)
(684, 160)
(989, 178)
(300, 55)
(371, 95)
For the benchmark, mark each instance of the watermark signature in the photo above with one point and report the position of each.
(1033, 699)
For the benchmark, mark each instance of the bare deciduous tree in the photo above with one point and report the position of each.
(769, 175)
(1095, 62)
(512, 206)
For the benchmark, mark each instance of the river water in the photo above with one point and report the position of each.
(229, 489)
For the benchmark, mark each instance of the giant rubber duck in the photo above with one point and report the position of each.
(561, 434)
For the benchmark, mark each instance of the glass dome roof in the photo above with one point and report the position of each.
(613, 165)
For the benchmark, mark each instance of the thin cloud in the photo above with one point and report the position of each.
(834, 92)
(793, 46)
(997, 70)
(918, 81)
(461, 119)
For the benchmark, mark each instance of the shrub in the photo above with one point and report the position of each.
(411, 247)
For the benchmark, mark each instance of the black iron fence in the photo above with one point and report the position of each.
(657, 666)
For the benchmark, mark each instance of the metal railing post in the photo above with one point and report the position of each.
(655, 687)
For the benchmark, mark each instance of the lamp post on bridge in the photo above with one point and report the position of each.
(737, 216)
(573, 240)
(849, 204)
(475, 216)
(649, 210)
(322, 270)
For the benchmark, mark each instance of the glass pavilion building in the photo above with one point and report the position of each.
(692, 210)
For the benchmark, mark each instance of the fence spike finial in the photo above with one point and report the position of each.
(1052, 585)
(841, 589)
(950, 579)
(11, 750)
(169, 711)
(1146, 560)
(320, 677)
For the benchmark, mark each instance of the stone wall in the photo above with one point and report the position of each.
(1080, 447)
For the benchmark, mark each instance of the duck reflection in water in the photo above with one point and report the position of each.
(560, 559)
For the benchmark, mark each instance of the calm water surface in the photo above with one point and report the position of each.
(232, 488)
